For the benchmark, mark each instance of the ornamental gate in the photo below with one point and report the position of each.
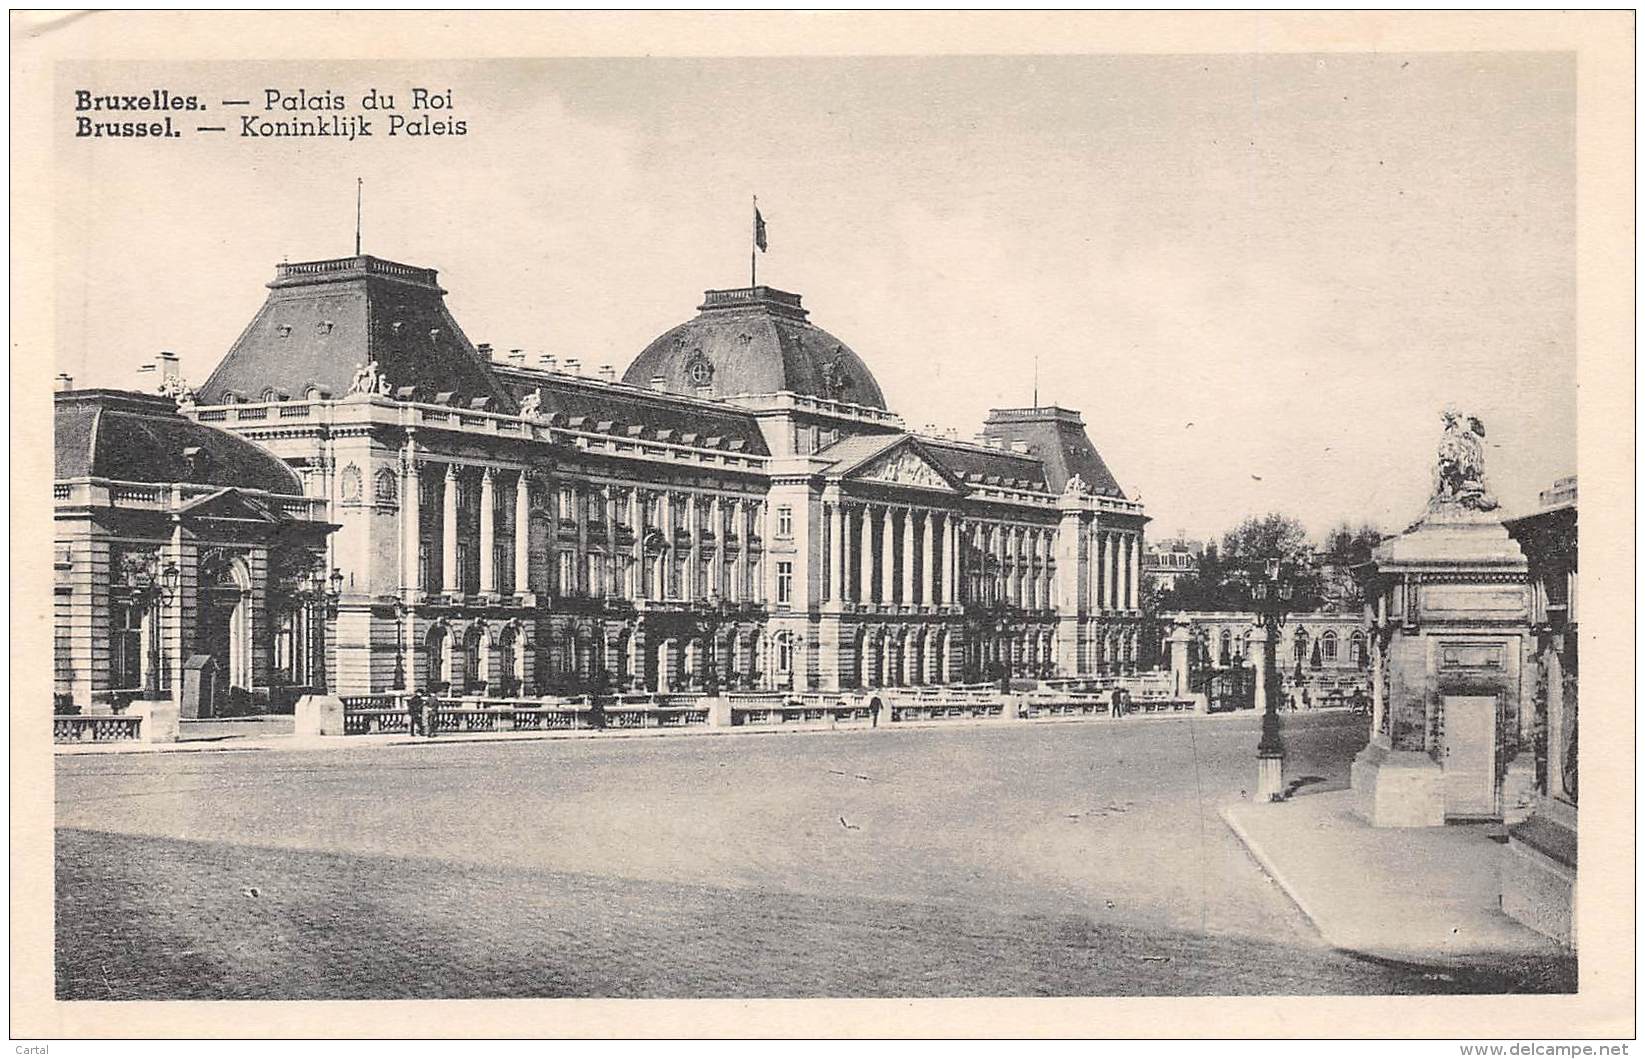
(1233, 688)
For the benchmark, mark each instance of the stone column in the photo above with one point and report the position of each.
(1112, 570)
(613, 566)
(908, 555)
(693, 563)
(522, 534)
(865, 557)
(716, 568)
(448, 530)
(739, 573)
(488, 533)
(951, 555)
(836, 552)
(636, 520)
(411, 539)
(1136, 571)
(888, 557)
(928, 565)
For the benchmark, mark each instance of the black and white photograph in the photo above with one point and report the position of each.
(557, 521)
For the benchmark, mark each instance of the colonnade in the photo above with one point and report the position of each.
(1116, 563)
(890, 553)
(681, 547)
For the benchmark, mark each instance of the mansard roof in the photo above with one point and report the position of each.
(135, 437)
(977, 465)
(580, 403)
(323, 319)
(1057, 438)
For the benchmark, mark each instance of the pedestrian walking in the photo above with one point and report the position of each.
(431, 716)
(414, 706)
(1118, 701)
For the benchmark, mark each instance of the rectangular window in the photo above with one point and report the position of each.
(785, 521)
(676, 575)
(596, 507)
(650, 507)
(568, 502)
(622, 507)
(567, 573)
(596, 582)
(785, 583)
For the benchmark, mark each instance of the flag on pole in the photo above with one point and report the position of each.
(759, 229)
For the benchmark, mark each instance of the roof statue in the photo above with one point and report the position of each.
(368, 378)
(1459, 476)
(1076, 487)
(531, 405)
(178, 389)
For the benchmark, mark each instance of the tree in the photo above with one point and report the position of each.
(1263, 537)
(1349, 547)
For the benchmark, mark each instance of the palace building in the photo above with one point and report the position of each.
(740, 509)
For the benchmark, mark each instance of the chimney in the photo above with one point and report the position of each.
(608, 373)
(659, 382)
(65, 382)
(573, 366)
(548, 362)
(516, 357)
(484, 349)
(170, 368)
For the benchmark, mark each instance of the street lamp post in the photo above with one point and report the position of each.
(1271, 591)
(321, 593)
(399, 644)
(155, 585)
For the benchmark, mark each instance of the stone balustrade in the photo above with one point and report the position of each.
(96, 728)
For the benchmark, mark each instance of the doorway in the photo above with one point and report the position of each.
(1470, 756)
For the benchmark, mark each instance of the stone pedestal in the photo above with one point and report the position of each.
(161, 719)
(719, 711)
(1398, 788)
(1448, 602)
(1539, 871)
(319, 715)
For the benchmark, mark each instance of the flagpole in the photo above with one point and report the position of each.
(359, 186)
(753, 247)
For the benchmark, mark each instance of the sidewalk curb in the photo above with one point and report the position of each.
(1266, 863)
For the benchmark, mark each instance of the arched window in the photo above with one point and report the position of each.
(387, 487)
(1300, 645)
(1328, 645)
(1224, 651)
(1356, 649)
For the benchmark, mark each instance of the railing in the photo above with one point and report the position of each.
(96, 729)
(773, 709)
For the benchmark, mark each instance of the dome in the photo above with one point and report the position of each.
(136, 437)
(754, 340)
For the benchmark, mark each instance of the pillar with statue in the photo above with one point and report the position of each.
(1447, 606)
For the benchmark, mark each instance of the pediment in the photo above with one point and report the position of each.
(232, 505)
(905, 464)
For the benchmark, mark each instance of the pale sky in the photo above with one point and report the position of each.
(1259, 278)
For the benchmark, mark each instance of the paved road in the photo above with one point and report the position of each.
(1082, 858)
